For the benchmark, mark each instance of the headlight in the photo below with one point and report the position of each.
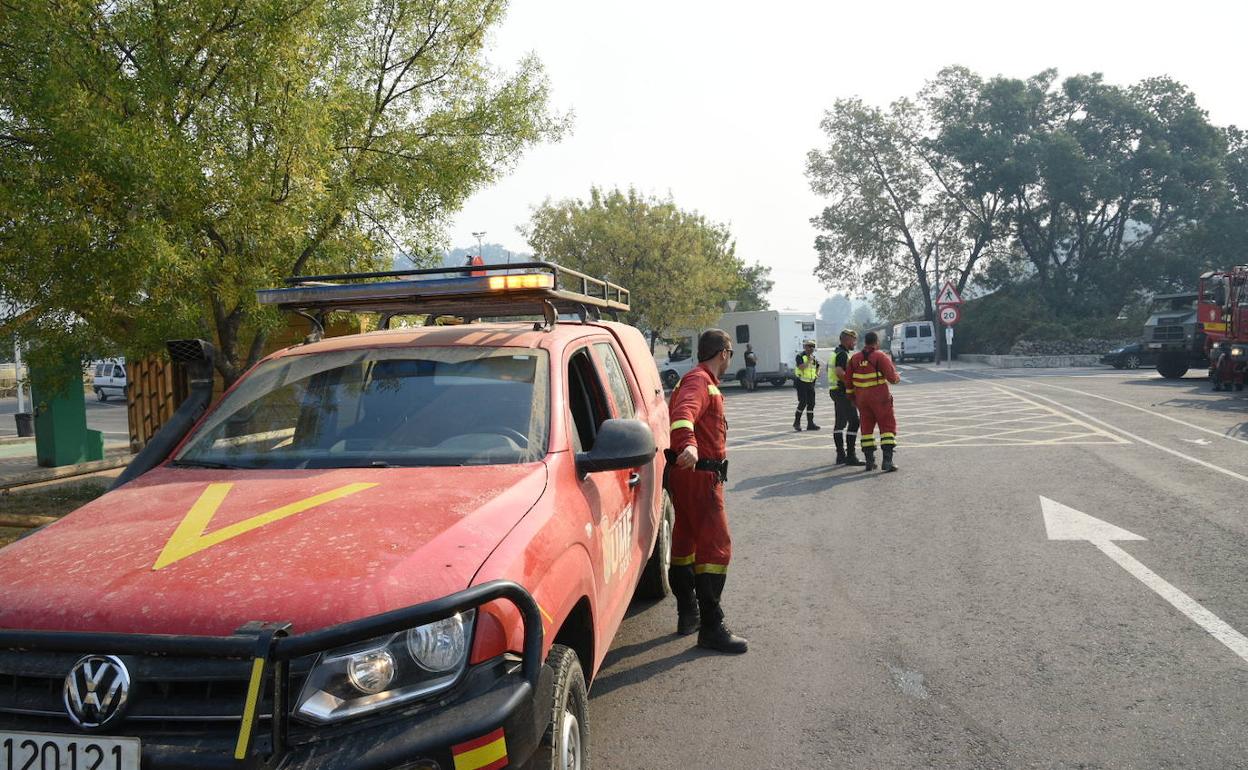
(386, 671)
(1237, 352)
(438, 646)
(1115, 351)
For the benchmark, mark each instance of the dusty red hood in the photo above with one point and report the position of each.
(179, 551)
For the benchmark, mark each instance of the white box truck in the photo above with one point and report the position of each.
(776, 336)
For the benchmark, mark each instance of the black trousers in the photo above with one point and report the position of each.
(846, 414)
(805, 396)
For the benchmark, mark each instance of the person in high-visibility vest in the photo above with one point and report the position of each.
(845, 431)
(697, 467)
(869, 373)
(806, 373)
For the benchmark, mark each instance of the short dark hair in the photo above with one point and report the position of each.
(871, 339)
(711, 342)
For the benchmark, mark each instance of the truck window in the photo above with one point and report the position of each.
(586, 399)
(617, 380)
(743, 333)
(925, 331)
(377, 408)
(912, 332)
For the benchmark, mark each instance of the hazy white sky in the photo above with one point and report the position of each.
(717, 103)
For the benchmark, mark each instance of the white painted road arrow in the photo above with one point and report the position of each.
(1065, 523)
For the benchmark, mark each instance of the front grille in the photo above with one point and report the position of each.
(166, 694)
(1168, 334)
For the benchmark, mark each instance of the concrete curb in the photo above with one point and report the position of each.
(39, 475)
(1030, 362)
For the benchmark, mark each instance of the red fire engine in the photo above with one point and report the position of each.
(1223, 312)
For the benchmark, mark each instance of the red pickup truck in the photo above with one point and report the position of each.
(403, 549)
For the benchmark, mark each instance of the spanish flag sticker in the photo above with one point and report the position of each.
(489, 752)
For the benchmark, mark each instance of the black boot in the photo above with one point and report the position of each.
(869, 453)
(839, 440)
(797, 420)
(851, 456)
(888, 466)
(687, 616)
(810, 421)
(714, 635)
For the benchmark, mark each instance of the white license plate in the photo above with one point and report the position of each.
(45, 751)
(1154, 345)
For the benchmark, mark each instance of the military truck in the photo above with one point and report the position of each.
(1174, 336)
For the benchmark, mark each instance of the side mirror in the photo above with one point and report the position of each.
(620, 445)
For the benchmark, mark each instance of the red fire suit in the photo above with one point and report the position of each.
(700, 535)
(868, 375)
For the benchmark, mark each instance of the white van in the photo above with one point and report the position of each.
(109, 379)
(915, 340)
(775, 335)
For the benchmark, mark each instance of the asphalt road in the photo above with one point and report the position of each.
(925, 618)
(109, 417)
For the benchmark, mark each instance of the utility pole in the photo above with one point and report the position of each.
(937, 287)
(17, 374)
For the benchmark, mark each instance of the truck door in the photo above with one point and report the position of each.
(608, 495)
(624, 395)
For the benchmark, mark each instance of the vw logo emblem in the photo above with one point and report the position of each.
(96, 690)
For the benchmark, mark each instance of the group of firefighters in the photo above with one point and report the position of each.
(697, 462)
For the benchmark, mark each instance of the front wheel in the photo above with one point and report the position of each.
(101, 395)
(670, 379)
(1132, 362)
(777, 381)
(654, 581)
(565, 745)
(1171, 366)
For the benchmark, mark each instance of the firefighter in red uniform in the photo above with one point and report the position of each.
(697, 468)
(870, 371)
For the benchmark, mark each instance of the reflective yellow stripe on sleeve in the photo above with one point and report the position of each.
(713, 390)
(682, 424)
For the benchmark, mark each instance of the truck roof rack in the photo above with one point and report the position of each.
(472, 291)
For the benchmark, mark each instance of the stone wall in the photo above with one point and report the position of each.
(1029, 362)
(1079, 347)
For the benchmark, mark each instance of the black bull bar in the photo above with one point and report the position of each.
(271, 648)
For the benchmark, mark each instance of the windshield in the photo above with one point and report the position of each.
(378, 408)
(1173, 304)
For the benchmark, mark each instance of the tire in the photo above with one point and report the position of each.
(778, 381)
(565, 744)
(101, 395)
(1171, 367)
(670, 379)
(654, 583)
(1132, 362)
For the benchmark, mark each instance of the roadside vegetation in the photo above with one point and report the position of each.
(22, 510)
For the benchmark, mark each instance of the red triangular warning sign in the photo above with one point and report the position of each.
(948, 295)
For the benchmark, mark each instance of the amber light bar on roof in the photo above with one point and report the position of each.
(526, 281)
(476, 291)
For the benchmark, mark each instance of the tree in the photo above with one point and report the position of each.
(863, 317)
(1102, 181)
(160, 162)
(835, 311)
(754, 284)
(899, 203)
(679, 266)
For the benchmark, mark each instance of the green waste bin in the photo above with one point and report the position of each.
(61, 433)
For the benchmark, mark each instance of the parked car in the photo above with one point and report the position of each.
(1131, 356)
(109, 380)
(409, 548)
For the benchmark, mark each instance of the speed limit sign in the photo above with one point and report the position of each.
(950, 315)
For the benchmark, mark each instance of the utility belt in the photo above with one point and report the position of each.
(718, 467)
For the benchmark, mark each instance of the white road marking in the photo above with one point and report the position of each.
(1065, 523)
(1198, 441)
(1128, 434)
(1146, 411)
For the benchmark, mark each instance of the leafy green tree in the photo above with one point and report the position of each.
(754, 284)
(160, 162)
(835, 311)
(899, 203)
(1101, 180)
(679, 266)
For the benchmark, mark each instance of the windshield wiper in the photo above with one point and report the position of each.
(202, 464)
